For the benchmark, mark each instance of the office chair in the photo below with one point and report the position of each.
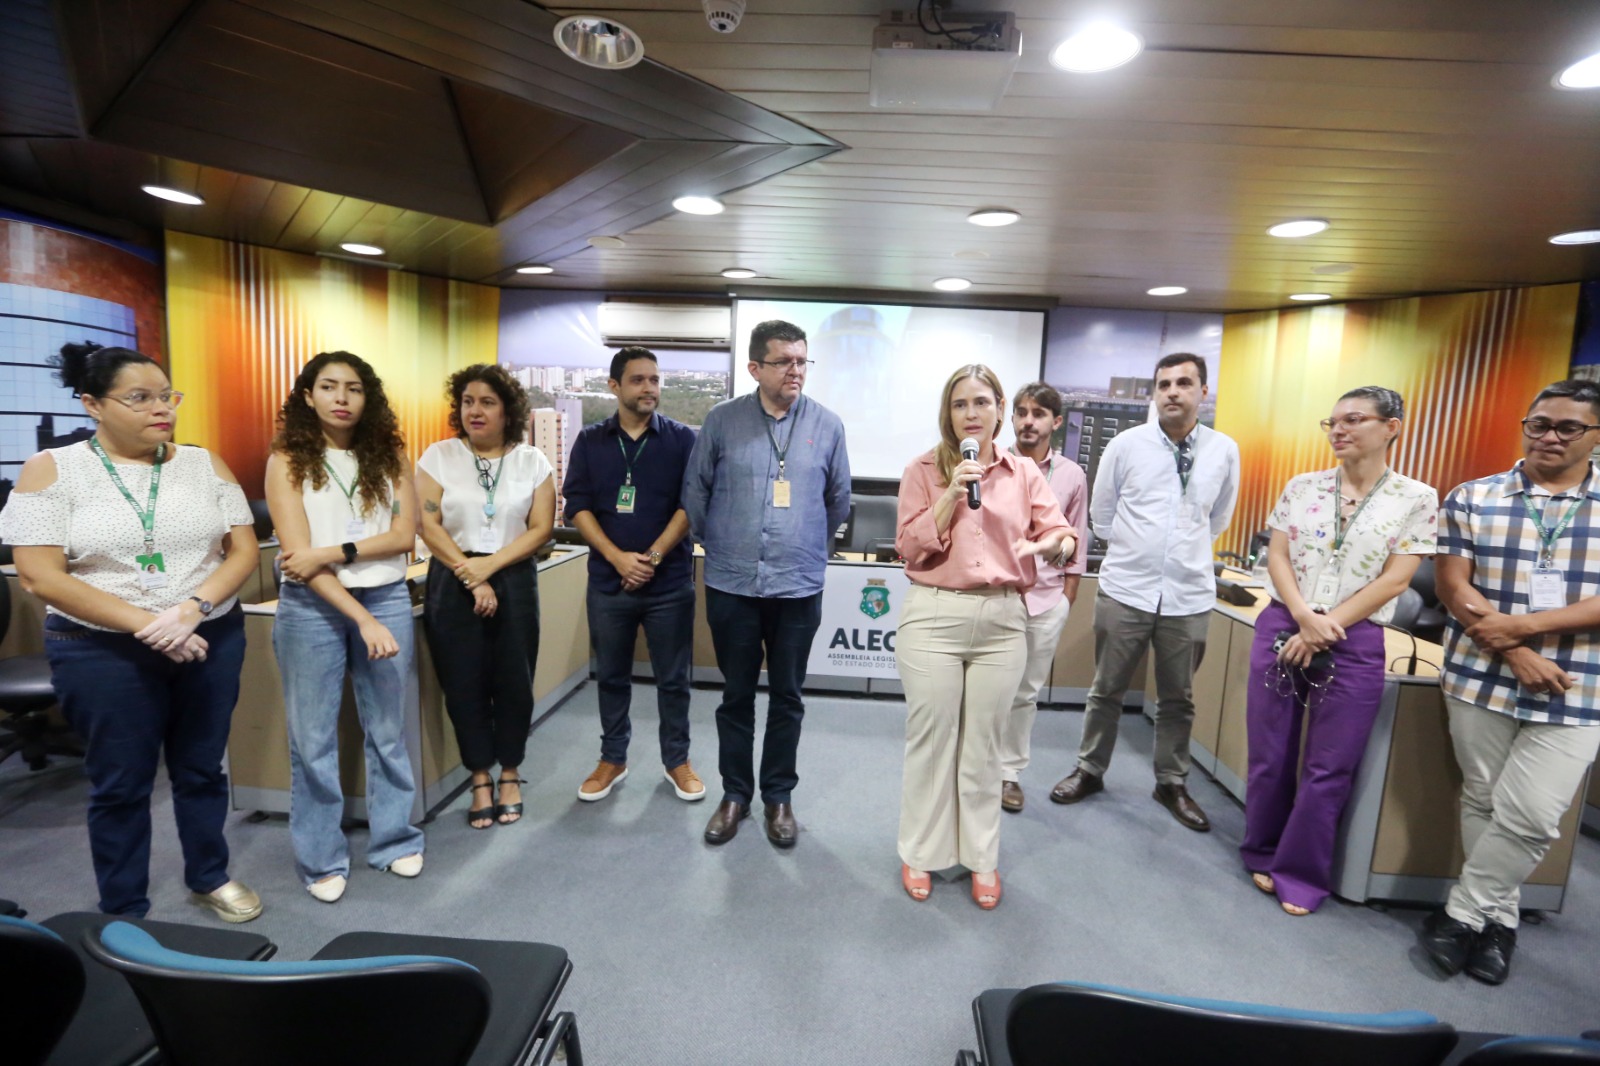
(43, 1012)
(1536, 1051)
(1098, 1025)
(1407, 609)
(27, 696)
(365, 997)
(262, 518)
(1432, 617)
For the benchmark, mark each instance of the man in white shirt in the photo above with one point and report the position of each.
(1164, 492)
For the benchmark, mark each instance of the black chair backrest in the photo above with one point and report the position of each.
(5, 606)
(1407, 609)
(872, 519)
(44, 988)
(1535, 1051)
(1422, 581)
(399, 1011)
(1053, 1025)
(263, 519)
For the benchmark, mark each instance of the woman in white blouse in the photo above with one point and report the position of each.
(488, 503)
(339, 488)
(137, 547)
(1345, 544)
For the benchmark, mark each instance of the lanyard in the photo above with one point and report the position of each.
(780, 452)
(1548, 537)
(644, 439)
(1181, 453)
(147, 516)
(482, 466)
(349, 493)
(1341, 528)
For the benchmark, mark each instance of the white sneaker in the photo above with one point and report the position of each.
(407, 865)
(328, 890)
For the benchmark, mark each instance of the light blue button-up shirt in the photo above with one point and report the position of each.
(753, 548)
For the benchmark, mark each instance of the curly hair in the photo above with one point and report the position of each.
(513, 397)
(377, 443)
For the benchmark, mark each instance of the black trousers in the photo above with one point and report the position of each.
(485, 665)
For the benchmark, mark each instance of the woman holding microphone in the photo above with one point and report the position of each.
(1345, 543)
(962, 642)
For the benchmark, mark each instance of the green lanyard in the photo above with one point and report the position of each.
(147, 516)
(644, 439)
(349, 493)
(1548, 537)
(780, 452)
(1341, 528)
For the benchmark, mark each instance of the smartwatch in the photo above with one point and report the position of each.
(349, 549)
(206, 606)
(655, 558)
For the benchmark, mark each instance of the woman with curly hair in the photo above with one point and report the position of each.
(341, 497)
(488, 503)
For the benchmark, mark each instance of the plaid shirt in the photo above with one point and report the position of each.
(1484, 521)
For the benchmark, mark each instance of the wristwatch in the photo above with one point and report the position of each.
(655, 558)
(205, 606)
(349, 549)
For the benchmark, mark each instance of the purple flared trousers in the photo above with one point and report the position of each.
(1290, 818)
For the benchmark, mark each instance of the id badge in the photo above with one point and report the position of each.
(625, 495)
(1547, 590)
(152, 571)
(488, 540)
(780, 493)
(355, 529)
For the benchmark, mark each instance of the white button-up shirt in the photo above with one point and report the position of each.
(1159, 533)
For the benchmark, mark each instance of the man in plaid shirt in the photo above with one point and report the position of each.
(1519, 569)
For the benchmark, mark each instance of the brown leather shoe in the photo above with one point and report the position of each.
(1010, 796)
(1176, 799)
(1078, 785)
(725, 821)
(781, 829)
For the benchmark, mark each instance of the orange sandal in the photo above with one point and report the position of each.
(986, 892)
(915, 883)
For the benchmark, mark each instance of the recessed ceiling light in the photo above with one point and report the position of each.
(1333, 268)
(1300, 227)
(361, 249)
(952, 284)
(1577, 236)
(1167, 290)
(536, 268)
(1310, 297)
(970, 253)
(1096, 47)
(698, 205)
(738, 273)
(607, 242)
(177, 196)
(993, 216)
(1584, 74)
(599, 42)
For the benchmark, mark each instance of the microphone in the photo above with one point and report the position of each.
(969, 450)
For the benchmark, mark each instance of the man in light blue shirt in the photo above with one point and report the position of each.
(767, 485)
(1164, 492)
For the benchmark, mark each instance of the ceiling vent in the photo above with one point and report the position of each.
(962, 61)
(665, 325)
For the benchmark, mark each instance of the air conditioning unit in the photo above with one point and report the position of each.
(665, 325)
(967, 67)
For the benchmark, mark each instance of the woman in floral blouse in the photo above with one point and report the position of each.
(1345, 544)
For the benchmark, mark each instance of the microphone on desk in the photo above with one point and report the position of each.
(969, 450)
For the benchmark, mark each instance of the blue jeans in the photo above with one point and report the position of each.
(668, 620)
(129, 704)
(744, 629)
(315, 645)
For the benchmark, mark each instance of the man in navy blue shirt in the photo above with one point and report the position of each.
(767, 485)
(623, 488)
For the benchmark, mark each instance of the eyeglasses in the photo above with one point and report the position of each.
(145, 401)
(1350, 421)
(788, 364)
(1534, 428)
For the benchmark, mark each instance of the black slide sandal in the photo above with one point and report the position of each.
(483, 813)
(503, 809)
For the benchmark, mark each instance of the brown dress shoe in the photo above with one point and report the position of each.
(1176, 799)
(781, 829)
(1010, 796)
(725, 821)
(1078, 785)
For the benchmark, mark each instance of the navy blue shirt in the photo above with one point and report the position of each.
(597, 470)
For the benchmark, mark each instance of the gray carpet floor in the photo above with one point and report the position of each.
(745, 954)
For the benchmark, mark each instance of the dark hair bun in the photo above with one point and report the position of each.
(72, 365)
(89, 369)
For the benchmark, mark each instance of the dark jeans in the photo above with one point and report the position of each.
(129, 704)
(485, 665)
(668, 620)
(743, 629)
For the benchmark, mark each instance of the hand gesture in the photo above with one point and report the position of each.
(380, 642)
(474, 572)
(1538, 674)
(1319, 632)
(484, 601)
(306, 563)
(169, 629)
(965, 472)
(1494, 632)
(1296, 652)
(634, 569)
(192, 649)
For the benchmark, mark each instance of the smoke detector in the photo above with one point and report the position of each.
(723, 15)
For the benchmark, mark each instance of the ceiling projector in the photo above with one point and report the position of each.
(958, 61)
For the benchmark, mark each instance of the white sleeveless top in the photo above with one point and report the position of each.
(329, 514)
(83, 513)
(521, 472)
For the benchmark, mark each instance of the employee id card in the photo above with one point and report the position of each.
(625, 495)
(780, 493)
(355, 529)
(488, 541)
(152, 571)
(1547, 589)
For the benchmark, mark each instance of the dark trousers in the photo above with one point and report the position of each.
(485, 665)
(743, 630)
(130, 704)
(668, 621)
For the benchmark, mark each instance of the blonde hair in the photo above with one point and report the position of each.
(948, 453)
